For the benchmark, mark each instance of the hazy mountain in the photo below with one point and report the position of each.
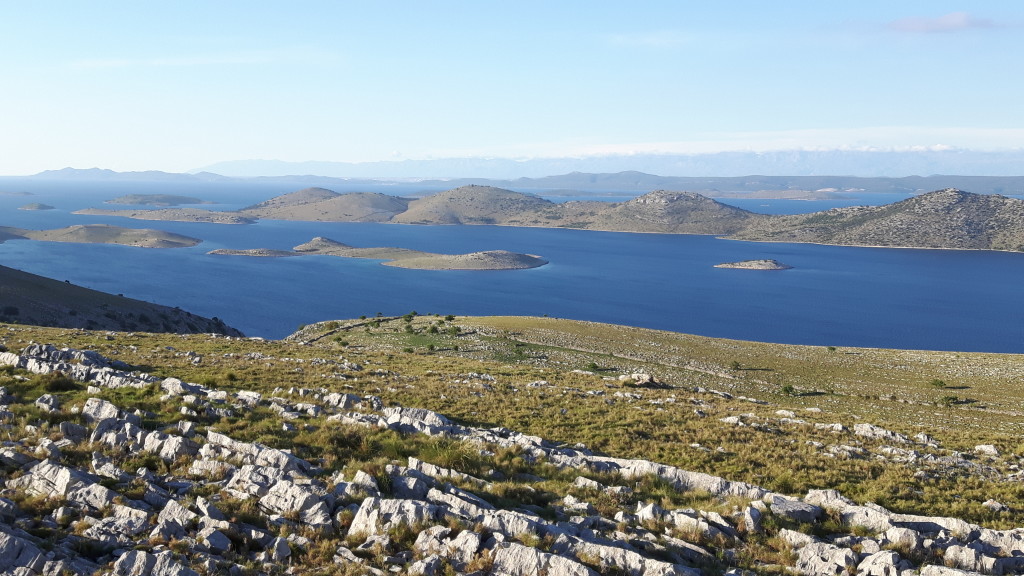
(867, 163)
(587, 182)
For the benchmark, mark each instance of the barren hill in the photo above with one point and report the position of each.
(472, 205)
(947, 218)
(298, 198)
(673, 212)
(317, 204)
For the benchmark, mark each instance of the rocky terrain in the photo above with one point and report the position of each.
(111, 470)
(30, 299)
(947, 218)
(36, 206)
(755, 265)
(102, 234)
(402, 257)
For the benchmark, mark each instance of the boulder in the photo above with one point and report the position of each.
(619, 560)
(883, 563)
(140, 563)
(215, 540)
(377, 516)
(512, 559)
(291, 500)
(48, 403)
(795, 510)
(820, 559)
(18, 553)
(97, 409)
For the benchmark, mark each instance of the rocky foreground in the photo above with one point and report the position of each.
(92, 487)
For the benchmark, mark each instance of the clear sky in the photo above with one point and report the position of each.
(176, 85)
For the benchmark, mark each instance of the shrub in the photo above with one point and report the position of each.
(58, 382)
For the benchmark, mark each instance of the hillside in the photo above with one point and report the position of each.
(947, 218)
(503, 446)
(472, 205)
(673, 213)
(30, 299)
(319, 205)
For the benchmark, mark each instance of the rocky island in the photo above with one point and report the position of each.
(755, 265)
(402, 257)
(155, 200)
(36, 206)
(102, 234)
(173, 215)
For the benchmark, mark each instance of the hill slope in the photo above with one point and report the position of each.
(472, 205)
(947, 218)
(30, 299)
(318, 204)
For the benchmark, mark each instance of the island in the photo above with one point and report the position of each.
(36, 206)
(948, 218)
(755, 265)
(102, 234)
(155, 200)
(173, 215)
(401, 257)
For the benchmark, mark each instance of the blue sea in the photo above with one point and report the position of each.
(838, 296)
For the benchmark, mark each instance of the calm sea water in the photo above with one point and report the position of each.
(842, 296)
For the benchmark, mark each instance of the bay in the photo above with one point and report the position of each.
(839, 296)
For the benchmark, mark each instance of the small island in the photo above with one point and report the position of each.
(172, 214)
(755, 265)
(401, 257)
(155, 200)
(36, 206)
(102, 234)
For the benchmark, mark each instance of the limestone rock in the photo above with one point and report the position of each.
(512, 559)
(882, 563)
(139, 563)
(820, 559)
(292, 500)
(377, 516)
(796, 511)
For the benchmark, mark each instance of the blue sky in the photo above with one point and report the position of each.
(178, 85)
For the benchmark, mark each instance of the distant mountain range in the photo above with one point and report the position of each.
(583, 182)
(865, 163)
